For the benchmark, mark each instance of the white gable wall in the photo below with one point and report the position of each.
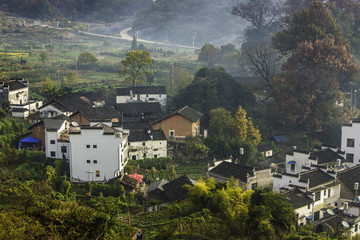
(351, 132)
(152, 149)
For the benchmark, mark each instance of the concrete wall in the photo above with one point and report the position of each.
(152, 148)
(351, 132)
(20, 96)
(263, 178)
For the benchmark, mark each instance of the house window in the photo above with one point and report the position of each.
(94, 146)
(324, 192)
(309, 206)
(38, 128)
(316, 215)
(144, 155)
(95, 161)
(52, 141)
(172, 133)
(88, 161)
(160, 95)
(52, 154)
(87, 146)
(317, 196)
(63, 149)
(97, 173)
(356, 227)
(350, 142)
(133, 157)
(147, 95)
(297, 216)
(143, 143)
(155, 156)
(350, 157)
(128, 144)
(329, 192)
(253, 186)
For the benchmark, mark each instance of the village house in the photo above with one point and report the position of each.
(350, 141)
(142, 94)
(57, 138)
(248, 177)
(17, 93)
(97, 153)
(179, 124)
(136, 111)
(349, 180)
(318, 184)
(326, 156)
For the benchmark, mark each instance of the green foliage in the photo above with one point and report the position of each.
(136, 67)
(86, 60)
(209, 53)
(48, 88)
(195, 148)
(44, 57)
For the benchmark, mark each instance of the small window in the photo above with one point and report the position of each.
(317, 196)
(94, 146)
(88, 161)
(253, 186)
(292, 167)
(350, 142)
(350, 157)
(324, 192)
(63, 149)
(329, 193)
(87, 146)
(95, 161)
(144, 155)
(133, 95)
(147, 95)
(172, 133)
(309, 206)
(129, 143)
(52, 141)
(38, 128)
(143, 143)
(52, 154)
(97, 173)
(356, 227)
(133, 157)
(160, 95)
(155, 156)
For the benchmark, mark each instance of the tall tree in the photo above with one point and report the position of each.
(308, 91)
(244, 127)
(136, 66)
(86, 60)
(209, 53)
(221, 122)
(260, 13)
(311, 24)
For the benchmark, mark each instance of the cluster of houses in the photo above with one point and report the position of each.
(98, 140)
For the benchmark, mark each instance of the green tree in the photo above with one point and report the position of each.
(71, 77)
(48, 88)
(221, 122)
(136, 66)
(209, 54)
(311, 24)
(44, 57)
(178, 79)
(86, 60)
(6, 106)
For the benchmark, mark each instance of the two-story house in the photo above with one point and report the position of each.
(56, 138)
(350, 141)
(142, 94)
(97, 153)
(93, 115)
(180, 123)
(136, 111)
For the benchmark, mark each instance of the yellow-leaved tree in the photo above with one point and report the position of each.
(244, 127)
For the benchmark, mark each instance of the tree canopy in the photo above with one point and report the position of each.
(136, 67)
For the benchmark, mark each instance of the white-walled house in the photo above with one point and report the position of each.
(321, 186)
(56, 138)
(350, 141)
(97, 153)
(327, 156)
(143, 94)
(147, 143)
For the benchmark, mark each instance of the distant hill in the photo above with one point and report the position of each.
(205, 21)
(75, 9)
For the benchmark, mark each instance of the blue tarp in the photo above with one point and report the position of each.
(30, 140)
(281, 139)
(291, 162)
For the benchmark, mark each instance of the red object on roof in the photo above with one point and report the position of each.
(137, 177)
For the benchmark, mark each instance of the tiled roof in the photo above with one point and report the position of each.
(157, 185)
(15, 85)
(138, 136)
(264, 147)
(316, 177)
(187, 112)
(350, 176)
(71, 103)
(325, 156)
(228, 170)
(297, 198)
(158, 135)
(137, 125)
(53, 124)
(138, 107)
(175, 190)
(141, 90)
(100, 113)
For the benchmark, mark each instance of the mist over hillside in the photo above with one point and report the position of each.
(189, 22)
